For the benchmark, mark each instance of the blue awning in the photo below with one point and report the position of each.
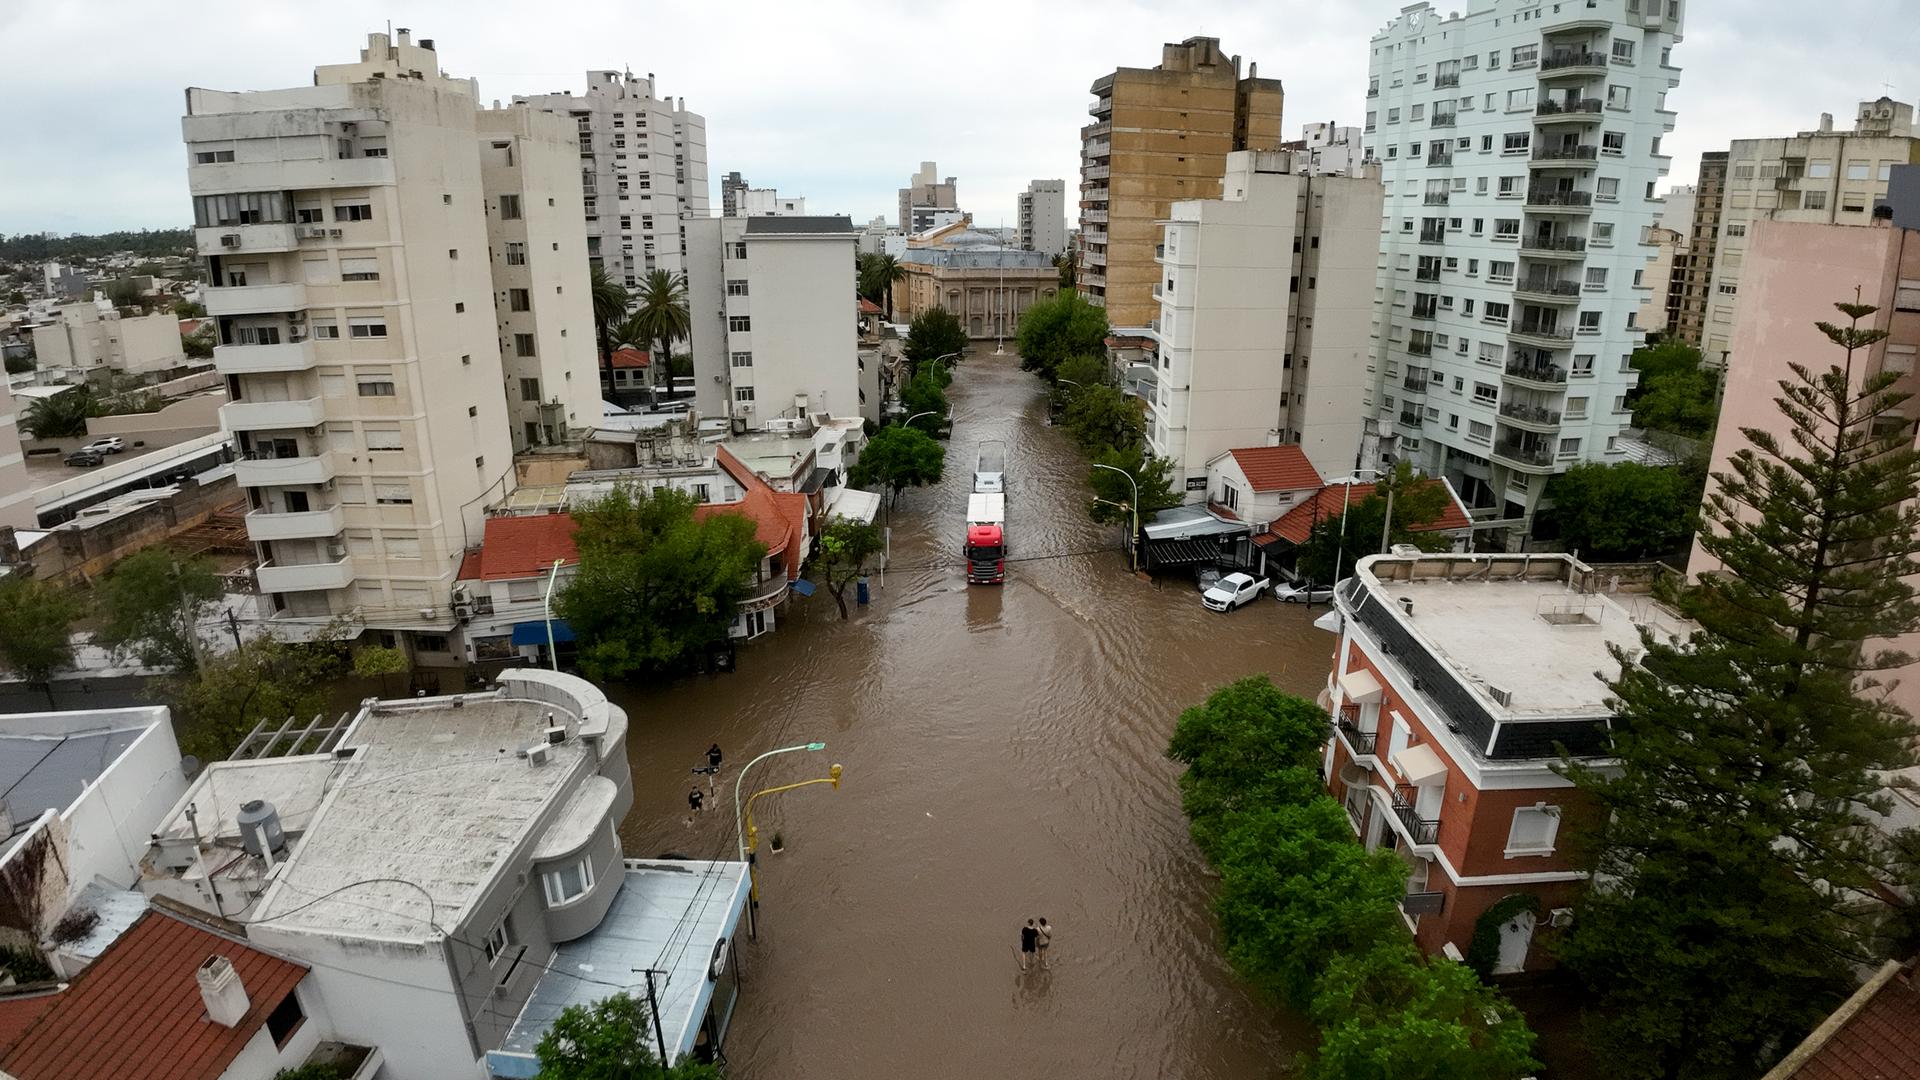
(803, 586)
(535, 633)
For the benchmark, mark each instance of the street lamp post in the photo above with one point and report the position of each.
(739, 827)
(546, 605)
(1133, 538)
(1340, 548)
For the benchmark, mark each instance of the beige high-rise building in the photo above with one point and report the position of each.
(1160, 135)
(1693, 264)
(1823, 176)
(347, 227)
(924, 197)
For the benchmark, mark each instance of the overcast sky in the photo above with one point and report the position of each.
(832, 100)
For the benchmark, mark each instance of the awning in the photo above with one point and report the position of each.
(1181, 552)
(1359, 684)
(1189, 522)
(535, 633)
(855, 504)
(803, 586)
(1330, 622)
(1420, 765)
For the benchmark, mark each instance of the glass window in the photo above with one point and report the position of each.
(1486, 393)
(569, 883)
(1622, 51)
(1569, 447)
(1857, 170)
(1813, 200)
(1519, 99)
(1607, 189)
(743, 359)
(739, 324)
(1819, 170)
(509, 207)
(1617, 97)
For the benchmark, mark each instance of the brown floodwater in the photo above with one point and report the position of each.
(1005, 759)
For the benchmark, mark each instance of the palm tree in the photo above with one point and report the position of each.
(884, 272)
(660, 313)
(610, 300)
(61, 416)
(1069, 267)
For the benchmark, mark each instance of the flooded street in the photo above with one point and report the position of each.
(1004, 753)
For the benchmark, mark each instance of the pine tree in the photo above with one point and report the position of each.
(1735, 877)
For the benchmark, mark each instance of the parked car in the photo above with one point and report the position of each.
(111, 444)
(1288, 592)
(85, 459)
(1206, 576)
(1232, 591)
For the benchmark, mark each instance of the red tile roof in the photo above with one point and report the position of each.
(868, 307)
(779, 518)
(1277, 468)
(630, 357)
(136, 1013)
(18, 1013)
(1297, 523)
(520, 547)
(1875, 1035)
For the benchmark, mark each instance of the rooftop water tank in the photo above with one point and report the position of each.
(260, 828)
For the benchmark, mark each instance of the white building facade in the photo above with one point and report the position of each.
(775, 334)
(1520, 146)
(1264, 311)
(81, 338)
(1042, 216)
(1331, 150)
(643, 171)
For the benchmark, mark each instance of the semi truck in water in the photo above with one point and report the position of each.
(990, 475)
(986, 546)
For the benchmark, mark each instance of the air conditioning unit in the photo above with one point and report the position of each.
(335, 233)
(1501, 696)
(231, 240)
(336, 552)
(1560, 918)
(426, 613)
(538, 755)
(296, 316)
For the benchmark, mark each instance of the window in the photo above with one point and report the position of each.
(376, 387)
(1485, 393)
(1886, 171)
(384, 438)
(1613, 142)
(736, 287)
(1515, 142)
(1820, 169)
(210, 157)
(519, 300)
(1582, 365)
(1506, 228)
(1743, 172)
(1899, 358)
(1479, 431)
(1857, 170)
(1486, 141)
(284, 1020)
(1497, 313)
(453, 253)
(1534, 828)
(1499, 271)
(1419, 113)
(1813, 200)
(359, 268)
(1596, 277)
(1607, 189)
(1393, 116)
(516, 254)
(353, 211)
(403, 547)
(743, 394)
(743, 359)
(1576, 408)
(1601, 234)
(529, 389)
(1524, 55)
(569, 883)
(1622, 51)
(1736, 228)
(523, 345)
(325, 329)
(1616, 97)
(737, 250)
(1906, 295)
(739, 324)
(1492, 352)
(509, 208)
(1520, 100)
(367, 326)
(1590, 322)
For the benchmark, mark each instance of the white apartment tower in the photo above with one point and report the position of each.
(347, 230)
(1520, 145)
(1265, 296)
(643, 171)
(1043, 217)
(774, 334)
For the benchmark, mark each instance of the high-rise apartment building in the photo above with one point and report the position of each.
(1822, 176)
(925, 195)
(774, 334)
(356, 245)
(643, 171)
(1331, 150)
(1694, 266)
(1042, 217)
(1160, 135)
(731, 187)
(1521, 148)
(1263, 327)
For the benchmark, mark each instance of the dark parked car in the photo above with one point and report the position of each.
(85, 459)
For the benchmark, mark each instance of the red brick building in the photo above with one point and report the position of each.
(1455, 680)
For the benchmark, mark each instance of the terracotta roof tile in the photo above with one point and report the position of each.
(18, 1013)
(1880, 1040)
(1297, 523)
(779, 518)
(868, 307)
(630, 357)
(1277, 468)
(136, 1013)
(521, 547)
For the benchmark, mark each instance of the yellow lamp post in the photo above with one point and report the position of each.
(753, 840)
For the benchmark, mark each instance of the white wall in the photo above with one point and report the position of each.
(111, 823)
(259, 1059)
(706, 306)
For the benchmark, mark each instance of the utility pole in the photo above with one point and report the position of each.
(233, 627)
(653, 1008)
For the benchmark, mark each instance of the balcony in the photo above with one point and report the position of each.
(1551, 201)
(1441, 160)
(1416, 381)
(228, 177)
(1419, 348)
(1410, 420)
(1540, 335)
(256, 299)
(1565, 157)
(1543, 290)
(263, 359)
(1096, 172)
(1435, 198)
(1548, 376)
(261, 469)
(1361, 743)
(1425, 272)
(1573, 110)
(1530, 416)
(1433, 236)
(1097, 129)
(1559, 65)
(1442, 120)
(767, 594)
(1554, 247)
(1098, 217)
(305, 577)
(272, 415)
(1101, 109)
(1443, 82)
(295, 525)
(1530, 457)
(245, 239)
(1420, 830)
(1427, 311)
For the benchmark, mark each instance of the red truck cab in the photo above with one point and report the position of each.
(986, 555)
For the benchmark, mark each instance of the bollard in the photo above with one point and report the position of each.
(860, 591)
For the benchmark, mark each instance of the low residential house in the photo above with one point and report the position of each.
(630, 369)
(1278, 545)
(1873, 1035)
(783, 522)
(428, 859)
(500, 595)
(1457, 683)
(1259, 484)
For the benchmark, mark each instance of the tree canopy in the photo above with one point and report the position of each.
(1624, 511)
(924, 395)
(1053, 330)
(898, 457)
(1341, 539)
(934, 333)
(660, 315)
(36, 627)
(875, 276)
(40, 247)
(216, 704)
(62, 416)
(612, 1039)
(1736, 884)
(656, 586)
(610, 300)
(1675, 393)
(1152, 477)
(847, 550)
(1101, 416)
(151, 603)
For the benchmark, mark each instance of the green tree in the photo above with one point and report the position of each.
(1053, 330)
(187, 309)
(896, 458)
(1354, 533)
(217, 704)
(36, 629)
(1735, 883)
(1102, 417)
(1675, 393)
(17, 298)
(19, 365)
(1390, 1014)
(656, 585)
(612, 1039)
(661, 313)
(124, 293)
(847, 548)
(377, 661)
(196, 346)
(934, 333)
(610, 301)
(1624, 511)
(1250, 744)
(151, 604)
(1069, 266)
(1152, 476)
(877, 275)
(62, 416)
(924, 395)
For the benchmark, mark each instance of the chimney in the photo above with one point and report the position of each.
(1826, 122)
(220, 990)
(406, 35)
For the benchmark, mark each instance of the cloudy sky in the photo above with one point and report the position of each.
(833, 100)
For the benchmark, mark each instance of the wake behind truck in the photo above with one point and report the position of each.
(986, 545)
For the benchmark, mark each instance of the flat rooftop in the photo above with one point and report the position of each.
(668, 915)
(1520, 624)
(47, 760)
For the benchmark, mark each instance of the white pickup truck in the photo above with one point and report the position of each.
(1232, 591)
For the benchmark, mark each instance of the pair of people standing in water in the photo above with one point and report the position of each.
(1034, 940)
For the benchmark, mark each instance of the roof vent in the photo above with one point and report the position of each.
(537, 755)
(260, 830)
(1501, 696)
(1407, 551)
(1406, 605)
(221, 992)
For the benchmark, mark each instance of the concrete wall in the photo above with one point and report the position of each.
(74, 554)
(174, 422)
(110, 824)
(1333, 341)
(706, 306)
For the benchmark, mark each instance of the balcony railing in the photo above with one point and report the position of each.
(1441, 160)
(1556, 244)
(1543, 330)
(1567, 153)
(1574, 107)
(1529, 414)
(1427, 311)
(1415, 382)
(1420, 348)
(1560, 61)
(1534, 455)
(1442, 82)
(1441, 120)
(1420, 830)
(1428, 270)
(1550, 373)
(1436, 198)
(1433, 236)
(1549, 197)
(1362, 743)
(1409, 419)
